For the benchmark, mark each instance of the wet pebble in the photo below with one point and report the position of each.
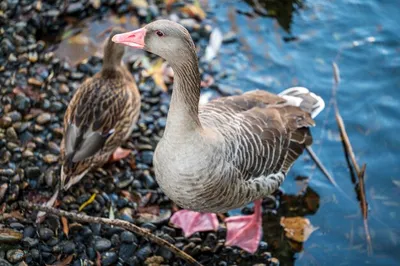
(127, 250)
(32, 172)
(7, 172)
(68, 247)
(15, 255)
(109, 258)
(17, 226)
(144, 252)
(50, 158)
(30, 242)
(43, 118)
(147, 157)
(102, 244)
(45, 233)
(22, 103)
(74, 8)
(128, 237)
(3, 262)
(9, 235)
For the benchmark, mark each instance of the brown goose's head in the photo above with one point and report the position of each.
(164, 38)
(113, 52)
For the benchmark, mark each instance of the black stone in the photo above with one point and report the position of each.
(32, 172)
(128, 237)
(102, 244)
(30, 242)
(109, 258)
(45, 233)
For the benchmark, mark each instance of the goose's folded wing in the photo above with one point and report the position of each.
(263, 134)
(92, 118)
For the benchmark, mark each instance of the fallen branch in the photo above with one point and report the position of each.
(320, 165)
(115, 222)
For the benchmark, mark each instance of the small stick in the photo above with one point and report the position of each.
(364, 207)
(115, 222)
(346, 141)
(320, 165)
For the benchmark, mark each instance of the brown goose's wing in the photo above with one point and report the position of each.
(263, 133)
(97, 113)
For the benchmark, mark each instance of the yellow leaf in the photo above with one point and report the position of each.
(157, 73)
(95, 3)
(298, 229)
(86, 203)
(140, 3)
(194, 10)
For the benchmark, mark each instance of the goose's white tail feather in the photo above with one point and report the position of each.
(303, 98)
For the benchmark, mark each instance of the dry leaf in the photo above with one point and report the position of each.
(64, 222)
(86, 203)
(195, 10)
(156, 71)
(298, 229)
(98, 258)
(133, 197)
(64, 262)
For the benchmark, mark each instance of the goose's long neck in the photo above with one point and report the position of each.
(183, 119)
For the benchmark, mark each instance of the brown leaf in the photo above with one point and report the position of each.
(130, 196)
(298, 229)
(64, 222)
(98, 258)
(168, 4)
(195, 10)
(64, 262)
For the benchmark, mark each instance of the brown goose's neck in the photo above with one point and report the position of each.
(183, 116)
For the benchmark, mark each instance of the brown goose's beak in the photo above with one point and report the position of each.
(133, 38)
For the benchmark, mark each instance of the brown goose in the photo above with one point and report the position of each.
(100, 116)
(229, 152)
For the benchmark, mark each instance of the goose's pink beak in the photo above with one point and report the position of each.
(133, 38)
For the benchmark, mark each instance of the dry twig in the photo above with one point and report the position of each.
(116, 222)
(346, 141)
(320, 165)
(349, 152)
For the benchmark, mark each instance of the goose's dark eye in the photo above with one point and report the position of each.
(159, 33)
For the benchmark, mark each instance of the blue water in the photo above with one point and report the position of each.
(363, 38)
